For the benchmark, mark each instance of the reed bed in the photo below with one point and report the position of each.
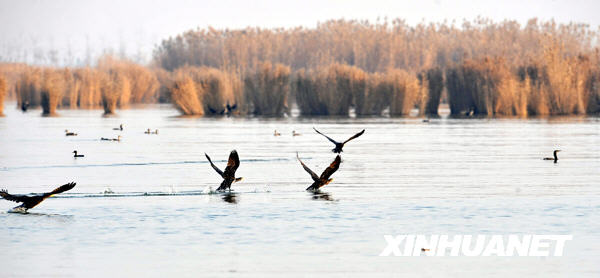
(400, 89)
(52, 89)
(29, 87)
(267, 89)
(434, 80)
(3, 89)
(330, 90)
(213, 90)
(339, 66)
(185, 96)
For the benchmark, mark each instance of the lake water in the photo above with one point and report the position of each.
(403, 176)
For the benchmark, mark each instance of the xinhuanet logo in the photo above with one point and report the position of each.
(478, 245)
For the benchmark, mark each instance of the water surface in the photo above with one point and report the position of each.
(403, 176)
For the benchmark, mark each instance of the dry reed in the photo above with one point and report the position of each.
(267, 89)
(3, 88)
(53, 86)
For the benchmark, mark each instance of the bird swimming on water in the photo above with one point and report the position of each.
(148, 131)
(119, 128)
(324, 178)
(275, 133)
(24, 106)
(555, 158)
(118, 139)
(77, 155)
(32, 200)
(229, 175)
(67, 133)
(294, 133)
(338, 145)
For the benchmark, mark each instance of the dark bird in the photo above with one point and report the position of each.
(555, 158)
(213, 111)
(229, 174)
(119, 128)
(67, 133)
(77, 155)
(24, 106)
(338, 145)
(230, 108)
(32, 200)
(324, 178)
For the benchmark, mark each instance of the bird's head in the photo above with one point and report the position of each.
(238, 179)
(74, 151)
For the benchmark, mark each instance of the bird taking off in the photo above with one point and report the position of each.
(229, 174)
(324, 178)
(555, 158)
(338, 145)
(32, 200)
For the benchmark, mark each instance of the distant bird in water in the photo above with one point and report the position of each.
(213, 111)
(67, 133)
(32, 200)
(338, 145)
(111, 139)
(229, 175)
(148, 131)
(324, 178)
(294, 133)
(119, 128)
(228, 110)
(555, 158)
(275, 133)
(77, 155)
(25, 106)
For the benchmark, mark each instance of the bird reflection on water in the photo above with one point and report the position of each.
(321, 196)
(230, 197)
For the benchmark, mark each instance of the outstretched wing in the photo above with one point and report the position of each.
(232, 164)
(332, 141)
(60, 189)
(312, 174)
(213, 165)
(334, 166)
(15, 198)
(355, 136)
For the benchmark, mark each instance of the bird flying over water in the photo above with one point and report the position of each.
(32, 200)
(338, 145)
(555, 158)
(324, 178)
(229, 174)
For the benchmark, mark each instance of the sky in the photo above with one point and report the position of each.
(31, 30)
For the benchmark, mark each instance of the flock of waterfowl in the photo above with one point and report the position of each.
(31, 200)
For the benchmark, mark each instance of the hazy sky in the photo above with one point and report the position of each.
(138, 25)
